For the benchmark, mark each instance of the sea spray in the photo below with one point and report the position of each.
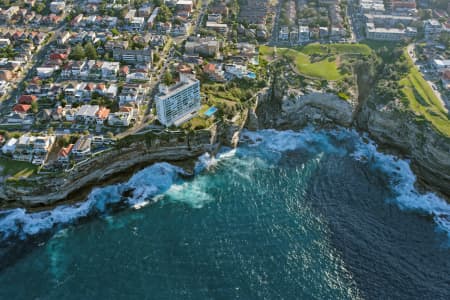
(145, 184)
(267, 147)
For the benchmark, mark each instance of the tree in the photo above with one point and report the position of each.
(34, 107)
(89, 51)
(77, 52)
(156, 57)
(115, 32)
(64, 140)
(167, 78)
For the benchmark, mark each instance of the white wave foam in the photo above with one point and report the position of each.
(192, 193)
(145, 184)
(208, 161)
(401, 177)
(402, 181)
(149, 184)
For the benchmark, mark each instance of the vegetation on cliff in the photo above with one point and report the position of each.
(396, 77)
(422, 100)
(323, 62)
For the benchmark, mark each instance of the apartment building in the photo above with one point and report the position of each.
(389, 34)
(133, 56)
(178, 103)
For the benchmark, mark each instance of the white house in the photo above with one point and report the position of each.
(10, 146)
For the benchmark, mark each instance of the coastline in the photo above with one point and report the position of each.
(271, 109)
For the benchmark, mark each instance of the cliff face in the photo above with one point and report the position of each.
(429, 151)
(388, 125)
(139, 150)
(275, 109)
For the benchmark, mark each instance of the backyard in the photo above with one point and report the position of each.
(16, 169)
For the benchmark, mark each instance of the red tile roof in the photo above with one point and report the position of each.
(209, 68)
(102, 113)
(21, 108)
(125, 109)
(65, 151)
(27, 99)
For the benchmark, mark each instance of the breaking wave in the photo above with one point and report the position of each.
(267, 147)
(344, 141)
(138, 191)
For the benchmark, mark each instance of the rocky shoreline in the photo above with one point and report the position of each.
(395, 131)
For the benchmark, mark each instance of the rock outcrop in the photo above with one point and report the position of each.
(429, 150)
(389, 125)
(141, 149)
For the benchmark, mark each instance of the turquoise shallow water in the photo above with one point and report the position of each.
(288, 215)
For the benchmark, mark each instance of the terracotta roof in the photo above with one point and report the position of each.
(125, 69)
(184, 69)
(102, 113)
(125, 109)
(89, 86)
(65, 151)
(101, 86)
(27, 99)
(209, 68)
(60, 56)
(21, 108)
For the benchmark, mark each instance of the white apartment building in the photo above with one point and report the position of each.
(389, 34)
(178, 103)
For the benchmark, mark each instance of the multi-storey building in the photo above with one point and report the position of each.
(133, 56)
(389, 34)
(178, 103)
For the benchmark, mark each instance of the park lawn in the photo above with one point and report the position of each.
(16, 169)
(422, 100)
(324, 69)
(317, 48)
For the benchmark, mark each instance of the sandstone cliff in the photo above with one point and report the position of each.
(141, 149)
(395, 128)
(429, 151)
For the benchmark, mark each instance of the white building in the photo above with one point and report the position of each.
(57, 7)
(178, 103)
(284, 33)
(10, 146)
(432, 27)
(303, 34)
(389, 34)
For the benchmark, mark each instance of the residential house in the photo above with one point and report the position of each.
(87, 113)
(110, 69)
(133, 56)
(64, 154)
(123, 117)
(102, 115)
(82, 147)
(10, 146)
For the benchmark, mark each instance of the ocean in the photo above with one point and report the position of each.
(313, 214)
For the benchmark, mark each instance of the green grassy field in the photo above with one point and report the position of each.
(16, 169)
(323, 69)
(422, 100)
(336, 49)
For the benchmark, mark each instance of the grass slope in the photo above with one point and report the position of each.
(422, 100)
(324, 69)
(16, 169)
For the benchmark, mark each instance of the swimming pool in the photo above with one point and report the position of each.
(210, 111)
(251, 75)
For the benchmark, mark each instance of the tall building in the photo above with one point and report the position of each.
(178, 103)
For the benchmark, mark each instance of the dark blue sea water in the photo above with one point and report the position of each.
(287, 215)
